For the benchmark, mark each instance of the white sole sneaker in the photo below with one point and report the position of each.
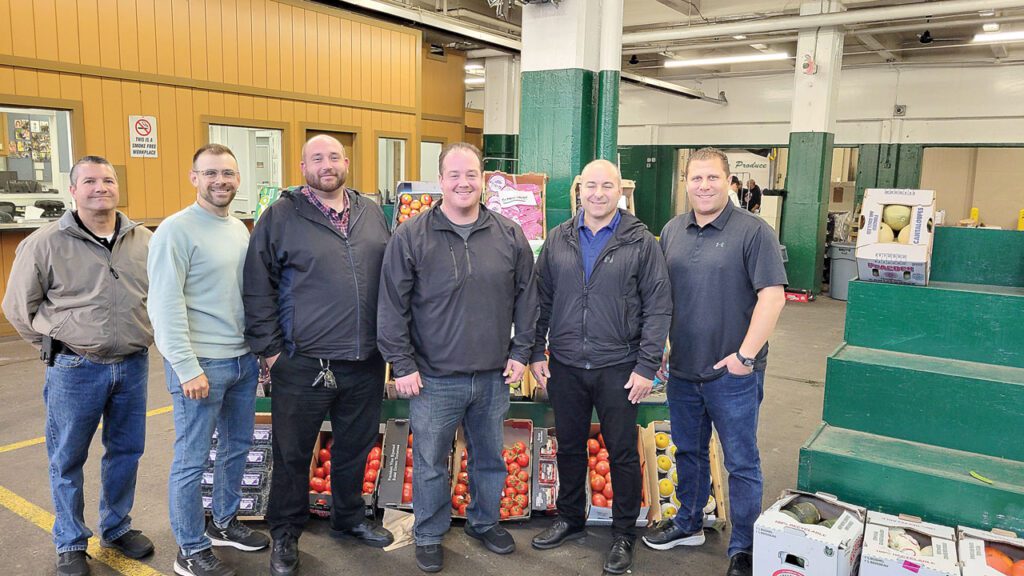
(233, 544)
(693, 540)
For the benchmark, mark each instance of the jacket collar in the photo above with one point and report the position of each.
(306, 209)
(629, 228)
(67, 223)
(438, 220)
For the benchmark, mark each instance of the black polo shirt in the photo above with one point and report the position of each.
(716, 272)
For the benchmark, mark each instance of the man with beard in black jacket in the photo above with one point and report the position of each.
(605, 310)
(310, 293)
(455, 280)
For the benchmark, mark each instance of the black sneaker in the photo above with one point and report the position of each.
(741, 564)
(202, 563)
(133, 544)
(236, 535)
(430, 558)
(496, 539)
(73, 563)
(667, 535)
(284, 558)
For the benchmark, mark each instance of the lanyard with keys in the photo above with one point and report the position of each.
(325, 377)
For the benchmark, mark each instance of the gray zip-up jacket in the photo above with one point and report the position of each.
(66, 285)
(447, 305)
(306, 288)
(621, 315)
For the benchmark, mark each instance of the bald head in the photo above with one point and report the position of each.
(600, 191)
(604, 168)
(324, 164)
(319, 141)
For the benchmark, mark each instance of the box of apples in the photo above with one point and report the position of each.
(599, 487)
(320, 475)
(409, 205)
(515, 500)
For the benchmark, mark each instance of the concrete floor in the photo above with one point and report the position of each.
(807, 333)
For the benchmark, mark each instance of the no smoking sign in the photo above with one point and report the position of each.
(142, 136)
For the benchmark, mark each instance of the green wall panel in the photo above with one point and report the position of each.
(607, 114)
(908, 166)
(805, 208)
(556, 130)
(978, 256)
(654, 198)
(500, 146)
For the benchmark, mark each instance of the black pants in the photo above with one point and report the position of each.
(298, 411)
(574, 393)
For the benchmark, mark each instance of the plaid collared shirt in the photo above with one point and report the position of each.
(339, 221)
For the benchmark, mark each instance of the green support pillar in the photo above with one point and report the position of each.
(498, 148)
(908, 168)
(805, 209)
(867, 170)
(556, 131)
(608, 114)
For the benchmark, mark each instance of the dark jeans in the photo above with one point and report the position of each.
(732, 404)
(298, 411)
(574, 393)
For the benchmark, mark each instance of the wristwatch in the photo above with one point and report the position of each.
(748, 362)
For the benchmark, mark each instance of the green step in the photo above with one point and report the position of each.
(944, 319)
(896, 476)
(948, 403)
(978, 256)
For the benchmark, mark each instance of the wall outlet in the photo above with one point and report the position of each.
(899, 110)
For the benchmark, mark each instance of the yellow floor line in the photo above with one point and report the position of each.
(41, 439)
(44, 520)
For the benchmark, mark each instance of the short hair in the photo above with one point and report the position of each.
(90, 160)
(302, 153)
(735, 180)
(607, 164)
(708, 153)
(215, 149)
(465, 146)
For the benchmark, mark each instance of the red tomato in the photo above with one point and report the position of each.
(597, 483)
(367, 487)
(508, 456)
(463, 477)
(523, 476)
(374, 465)
(405, 198)
(462, 509)
(458, 500)
(506, 502)
(514, 468)
(403, 217)
(461, 489)
(602, 467)
(406, 493)
(593, 446)
(591, 462)
(600, 439)
(503, 513)
(522, 488)
(426, 199)
(599, 500)
(515, 510)
(523, 460)
(608, 494)
(408, 474)
(520, 500)
(317, 484)
(327, 469)
(324, 455)
(462, 466)
(602, 454)
(404, 210)
(319, 472)
(415, 205)
(519, 447)
(511, 480)
(374, 453)
(510, 491)
(408, 456)
(370, 475)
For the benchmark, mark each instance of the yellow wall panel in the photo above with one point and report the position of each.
(245, 106)
(299, 50)
(26, 82)
(245, 42)
(115, 122)
(375, 70)
(110, 46)
(217, 104)
(172, 165)
(345, 58)
(258, 33)
(23, 33)
(71, 89)
(6, 76)
(229, 41)
(196, 45)
(443, 84)
(149, 36)
(135, 187)
(128, 35)
(179, 60)
(213, 29)
(45, 18)
(333, 49)
(49, 85)
(312, 60)
(67, 33)
(260, 109)
(231, 105)
(88, 32)
(6, 42)
(274, 49)
(287, 48)
(188, 142)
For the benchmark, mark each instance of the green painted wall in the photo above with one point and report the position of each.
(655, 182)
(607, 114)
(557, 131)
(888, 166)
(805, 209)
(978, 256)
(498, 146)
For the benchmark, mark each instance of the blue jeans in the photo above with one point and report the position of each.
(731, 403)
(230, 408)
(77, 394)
(479, 401)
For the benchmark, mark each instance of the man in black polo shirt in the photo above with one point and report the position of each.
(727, 293)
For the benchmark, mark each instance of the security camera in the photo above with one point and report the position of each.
(926, 37)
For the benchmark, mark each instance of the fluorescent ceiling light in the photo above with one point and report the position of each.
(739, 37)
(987, 13)
(474, 67)
(990, 27)
(759, 46)
(999, 37)
(727, 60)
(475, 81)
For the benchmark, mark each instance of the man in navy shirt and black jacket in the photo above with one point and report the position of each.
(310, 293)
(605, 309)
(455, 280)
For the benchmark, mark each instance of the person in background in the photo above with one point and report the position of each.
(734, 191)
(753, 197)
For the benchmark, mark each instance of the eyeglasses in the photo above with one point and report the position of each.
(211, 174)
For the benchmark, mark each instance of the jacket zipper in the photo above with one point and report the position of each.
(455, 263)
(355, 281)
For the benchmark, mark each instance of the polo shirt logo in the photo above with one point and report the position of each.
(719, 244)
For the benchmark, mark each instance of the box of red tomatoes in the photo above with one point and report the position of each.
(599, 489)
(320, 473)
(395, 477)
(515, 499)
(414, 198)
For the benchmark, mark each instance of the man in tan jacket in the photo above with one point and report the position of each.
(78, 292)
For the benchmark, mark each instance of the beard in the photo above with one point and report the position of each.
(208, 195)
(316, 180)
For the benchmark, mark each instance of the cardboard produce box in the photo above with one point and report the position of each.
(517, 442)
(520, 198)
(394, 488)
(255, 477)
(320, 502)
(545, 471)
(994, 553)
(799, 546)
(898, 545)
(658, 446)
(894, 243)
(598, 515)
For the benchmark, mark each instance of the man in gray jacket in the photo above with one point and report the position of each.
(77, 291)
(605, 310)
(455, 280)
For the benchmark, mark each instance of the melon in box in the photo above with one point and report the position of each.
(515, 499)
(806, 534)
(898, 545)
(663, 478)
(894, 243)
(995, 553)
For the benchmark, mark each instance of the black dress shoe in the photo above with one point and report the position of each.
(430, 558)
(133, 544)
(559, 532)
(284, 557)
(368, 532)
(73, 563)
(741, 564)
(620, 556)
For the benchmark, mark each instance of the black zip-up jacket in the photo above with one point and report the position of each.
(447, 306)
(622, 314)
(309, 290)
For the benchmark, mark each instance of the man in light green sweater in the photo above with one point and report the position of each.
(195, 305)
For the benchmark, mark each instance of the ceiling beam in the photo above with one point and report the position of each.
(681, 6)
(877, 47)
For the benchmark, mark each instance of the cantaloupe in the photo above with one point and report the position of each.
(885, 233)
(998, 560)
(904, 237)
(897, 216)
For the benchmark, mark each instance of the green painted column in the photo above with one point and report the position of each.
(498, 147)
(805, 209)
(607, 114)
(556, 131)
(908, 168)
(867, 170)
